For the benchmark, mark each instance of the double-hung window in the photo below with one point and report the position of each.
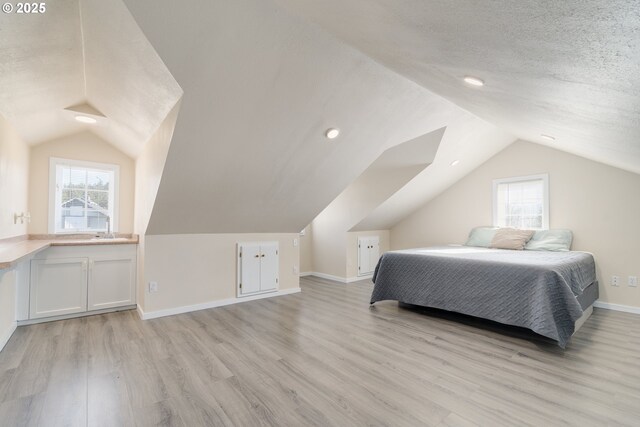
(83, 196)
(521, 202)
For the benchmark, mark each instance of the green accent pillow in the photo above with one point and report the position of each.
(550, 240)
(481, 236)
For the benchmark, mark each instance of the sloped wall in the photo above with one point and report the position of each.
(260, 89)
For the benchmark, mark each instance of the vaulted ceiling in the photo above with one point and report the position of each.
(264, 79)
(261, 87)
(77, 52)
(569, 69)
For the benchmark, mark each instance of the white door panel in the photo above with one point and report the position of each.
(269, 266)
(111, 283)
(249, 269)
(58, 287)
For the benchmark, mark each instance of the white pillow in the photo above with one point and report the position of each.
(550, 240)
(481, 236)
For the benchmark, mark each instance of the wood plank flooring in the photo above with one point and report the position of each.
(321, 357)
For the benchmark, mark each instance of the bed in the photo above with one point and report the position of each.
(550, 293)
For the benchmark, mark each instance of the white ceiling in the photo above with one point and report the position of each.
(569, 68)
(82, 51)
(261, 86)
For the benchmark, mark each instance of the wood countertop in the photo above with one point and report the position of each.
(14, 249)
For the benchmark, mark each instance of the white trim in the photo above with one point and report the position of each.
(359, 278)
(328, 277)
(4, 340)
(617, 307)
(76, 315)
(211, 304)
(545, 182)
(54, 162)
(336, 278)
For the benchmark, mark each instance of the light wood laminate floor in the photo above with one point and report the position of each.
(321, 357)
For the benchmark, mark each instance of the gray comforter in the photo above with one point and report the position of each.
(532, 289)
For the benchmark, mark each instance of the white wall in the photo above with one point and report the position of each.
(306, 250)
(193, 269)
(82, 146)
(14, 184)
(14, 180)
(599, 203)
(149, 167)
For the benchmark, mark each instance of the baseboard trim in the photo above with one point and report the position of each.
(357, 279)
(211, 304)
(337, 278)
(27, 322)
(4, 340)
(306, 273)
(617, 307)
(328, 277)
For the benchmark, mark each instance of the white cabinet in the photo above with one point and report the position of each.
(368, 254)
(258, 268)
(58, 286)
(77, 279)
(111, 282)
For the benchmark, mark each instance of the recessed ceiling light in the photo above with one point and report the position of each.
(332, 133)
(85, 119)
(548, 137)
(455, 162)
(474, 81)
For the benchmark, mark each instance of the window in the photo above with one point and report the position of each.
(521, 202)
(82, 195)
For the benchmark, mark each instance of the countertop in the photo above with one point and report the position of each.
(14, 249)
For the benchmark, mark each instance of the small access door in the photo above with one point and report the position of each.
(368, 254)
(258, 268)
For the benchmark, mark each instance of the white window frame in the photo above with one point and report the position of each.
(545, 198)
(54, 201)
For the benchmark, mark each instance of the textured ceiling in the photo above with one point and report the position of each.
(569, 68)
(82, 51)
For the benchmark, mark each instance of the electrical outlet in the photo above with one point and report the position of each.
(295, 269)
(615, 280)
(153, 286)
(633, 281)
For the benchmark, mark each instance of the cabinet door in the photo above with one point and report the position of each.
(363, 256)
(269, 266)
(249, 271)
(58, 286)
(368, 254)
(374, 253)
(111, 282)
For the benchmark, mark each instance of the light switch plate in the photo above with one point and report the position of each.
(153, 286)
(633, 281)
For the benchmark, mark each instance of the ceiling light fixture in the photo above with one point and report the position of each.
(85, 119)
(548, 137)
(332, 133)
(455, 162)
(474, 81)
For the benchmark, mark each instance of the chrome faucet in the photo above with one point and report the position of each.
(109, 234)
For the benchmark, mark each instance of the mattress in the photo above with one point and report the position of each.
(541, 291)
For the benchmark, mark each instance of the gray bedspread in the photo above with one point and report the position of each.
(533, 289)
